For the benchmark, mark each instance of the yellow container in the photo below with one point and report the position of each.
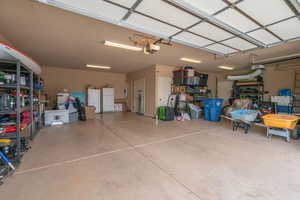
(5, 142)
(281, 121)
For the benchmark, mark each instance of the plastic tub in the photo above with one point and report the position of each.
(281, 121)
(246, 115)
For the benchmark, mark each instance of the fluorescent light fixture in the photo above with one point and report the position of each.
(191, 60)
(98, 67)
(123, 46)
(226, 67)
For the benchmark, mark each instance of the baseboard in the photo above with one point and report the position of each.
(149, 115)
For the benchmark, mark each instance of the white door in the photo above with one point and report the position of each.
(164, 90)
(139, 96)
(94, 99)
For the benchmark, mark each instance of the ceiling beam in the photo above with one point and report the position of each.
(164, 22)
(292, 5)
(133, 7)
(212, 20)
(251, 18)
(219, 11)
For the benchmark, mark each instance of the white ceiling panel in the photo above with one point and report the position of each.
(236, 20)
(239, 43)
(264, 36)
(98, 8)
(221, 48)
(210, 31)
(151, 25)
(126, 3)
(209, 7)
(266, 11)
(288, 29)
(192, 39)
(167, 13)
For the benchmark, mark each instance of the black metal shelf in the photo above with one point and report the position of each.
(11, 112)
(13, 135)
(19, 69)
(14, 86)
(257, 85)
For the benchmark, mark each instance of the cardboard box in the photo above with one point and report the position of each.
(90, 112)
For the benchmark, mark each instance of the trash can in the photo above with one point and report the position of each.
(206, 103)
(213, 108)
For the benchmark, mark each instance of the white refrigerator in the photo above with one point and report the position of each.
(103, 99)
(108, 97)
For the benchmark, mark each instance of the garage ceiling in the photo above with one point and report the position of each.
(59, 38)
(223, 27)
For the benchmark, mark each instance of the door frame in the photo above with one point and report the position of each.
(157, 104)
(133, 94)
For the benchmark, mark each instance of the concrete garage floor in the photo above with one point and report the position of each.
(125, 156)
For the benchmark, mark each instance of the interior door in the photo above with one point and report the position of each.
(139, 96)
(164, 90)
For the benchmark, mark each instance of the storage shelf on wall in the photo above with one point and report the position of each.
(14, 86)
(251, 89)
(18, 70)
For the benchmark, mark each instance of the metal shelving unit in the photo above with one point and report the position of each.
(253, 90)
(19, 69)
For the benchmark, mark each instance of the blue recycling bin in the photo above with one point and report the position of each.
(212, 109)
(206, 103)
(285, 92)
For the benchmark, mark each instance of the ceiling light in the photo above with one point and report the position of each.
(226, 67)
(98, 67)
(123, 46)
(191, 60)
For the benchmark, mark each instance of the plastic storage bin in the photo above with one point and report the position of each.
(212, 109)
(73, 117)
(285, 92)
(284, 109)
(281, 121)
(195, 111)
(245, 115)
(203, 79)
(56, 115)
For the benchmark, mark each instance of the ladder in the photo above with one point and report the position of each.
(297, 92)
